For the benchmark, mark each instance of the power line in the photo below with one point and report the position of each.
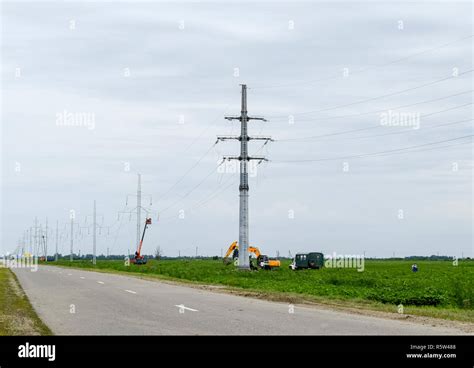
(230, 183)
(117, 233)
(213, 170)
(374, 153)
(381, 110)
(429, 149)
(336, 76)
(221, 188)
(365, 128)
(214, 195)
(187, 172)
(376, 97)
(413, 130)
(192, 189)
(214, 121)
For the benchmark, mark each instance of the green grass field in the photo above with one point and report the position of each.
(439, 289)
(17, 316)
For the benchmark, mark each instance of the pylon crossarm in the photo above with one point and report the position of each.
(254, 118)
(268, 139)
(259, 158)
(228, 158)
(227, 138)
(232, 117)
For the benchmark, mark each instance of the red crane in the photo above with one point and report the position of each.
(139, 259)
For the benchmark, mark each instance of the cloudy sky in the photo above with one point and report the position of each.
(95, 92)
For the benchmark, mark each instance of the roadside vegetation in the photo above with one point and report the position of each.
(17, 316)
(439, 289)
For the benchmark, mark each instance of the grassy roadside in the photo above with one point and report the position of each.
(447, 289)
(17, 316)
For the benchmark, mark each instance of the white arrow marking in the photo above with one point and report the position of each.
(183, 307)
(82, 277)
(131, 291)
(100, 282)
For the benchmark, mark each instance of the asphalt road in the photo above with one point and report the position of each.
(77, 302)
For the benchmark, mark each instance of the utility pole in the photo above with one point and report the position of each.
(107, 252)
(22, 243)
(95, 226)
(41, 242)
(31, 240)
(244, 158)
(179, 254)
(46, 242)
(57, 238)
(72, 239)
(36, 237)
(139, 207)
(196, 251)
(25, 241)
(94, 235)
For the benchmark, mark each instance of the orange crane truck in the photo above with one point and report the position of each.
(138, 259)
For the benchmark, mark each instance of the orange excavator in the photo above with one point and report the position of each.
(138, 259)
(263, 261)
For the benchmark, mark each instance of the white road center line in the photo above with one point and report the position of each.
(131, 291)
(82, 277)
(181, 306)
(100, 282)
(69, 274)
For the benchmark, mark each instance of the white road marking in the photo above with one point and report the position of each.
(131, 291)
(100, 282)
(183, 307)
(82, 277)
(69, 274)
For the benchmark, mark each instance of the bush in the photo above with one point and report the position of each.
(426, 297)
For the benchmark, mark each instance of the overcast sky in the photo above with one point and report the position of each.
(156, 80)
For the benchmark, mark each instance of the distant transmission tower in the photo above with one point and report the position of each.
(46, 242)
(244, 158)
(139, 208)
(71, 252)
(95, 226)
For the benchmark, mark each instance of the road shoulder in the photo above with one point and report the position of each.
(17, 316)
